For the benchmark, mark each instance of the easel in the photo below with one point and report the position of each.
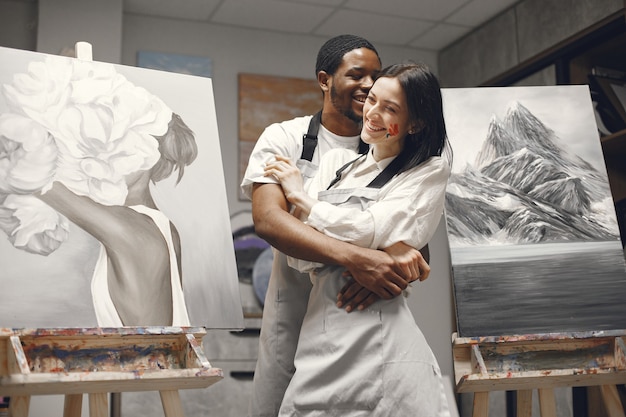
(98, 361)
(541, 362)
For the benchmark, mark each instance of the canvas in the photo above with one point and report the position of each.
(92, 158)
(534, 241)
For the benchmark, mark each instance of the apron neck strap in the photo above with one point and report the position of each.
(390, 171)
(309, 139)
(340, 171)
(381, 179)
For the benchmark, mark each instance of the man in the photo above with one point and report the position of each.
(345, 68)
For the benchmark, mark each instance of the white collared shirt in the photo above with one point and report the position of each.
(406, 209)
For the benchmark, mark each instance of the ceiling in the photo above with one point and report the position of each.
(422, 24)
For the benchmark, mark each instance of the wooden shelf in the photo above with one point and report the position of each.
(615, 144)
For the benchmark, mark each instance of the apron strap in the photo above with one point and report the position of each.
(381, 179)
(309, 139)
(363, 147)
(340, 171)
(389, 172)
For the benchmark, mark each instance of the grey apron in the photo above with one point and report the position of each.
(374, 362)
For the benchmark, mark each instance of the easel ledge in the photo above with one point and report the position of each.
(98, 361)
(65, 361)
(523, 363)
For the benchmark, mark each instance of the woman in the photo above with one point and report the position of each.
(373, 362)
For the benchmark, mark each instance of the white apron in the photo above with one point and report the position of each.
(372, 363)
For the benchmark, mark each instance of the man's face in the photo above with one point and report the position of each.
(352, 81)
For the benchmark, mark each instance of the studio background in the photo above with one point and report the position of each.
(49, 25)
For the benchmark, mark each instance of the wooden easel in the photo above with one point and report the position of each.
(541, 362)
(99, 361)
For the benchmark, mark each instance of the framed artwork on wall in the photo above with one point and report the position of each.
(181, 64)
(267, 99)
(534, 241)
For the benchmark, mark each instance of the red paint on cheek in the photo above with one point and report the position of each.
(393, 129)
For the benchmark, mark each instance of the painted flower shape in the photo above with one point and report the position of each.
(32, 225)
(81, 124)
(42, 92)
(28, 155)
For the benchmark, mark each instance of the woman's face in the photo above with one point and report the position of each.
(385, 118)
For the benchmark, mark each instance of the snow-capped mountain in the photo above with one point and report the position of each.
(524, 188)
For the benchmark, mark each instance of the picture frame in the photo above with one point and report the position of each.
(182, 64)
(267, 99)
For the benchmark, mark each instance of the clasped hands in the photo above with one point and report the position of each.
(381, 274)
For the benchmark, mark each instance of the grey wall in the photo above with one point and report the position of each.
(62, 23)
(18, 24)
(519, 33)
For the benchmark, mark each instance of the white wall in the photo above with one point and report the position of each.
(62, 23)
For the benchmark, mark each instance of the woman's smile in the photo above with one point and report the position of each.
(373, 127)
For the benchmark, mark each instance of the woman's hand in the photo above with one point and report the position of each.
(290, 178)
(288, 175)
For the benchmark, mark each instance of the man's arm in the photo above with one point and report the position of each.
(375, 270)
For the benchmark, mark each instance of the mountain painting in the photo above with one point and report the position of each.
(531, 224)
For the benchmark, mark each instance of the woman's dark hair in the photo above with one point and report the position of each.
(424, 102)
(331, 53)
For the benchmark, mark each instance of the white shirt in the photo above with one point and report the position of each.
(285, 138)
(406, 209)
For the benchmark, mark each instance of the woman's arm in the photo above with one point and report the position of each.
(290, 179)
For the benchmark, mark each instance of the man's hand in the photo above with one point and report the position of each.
(407, 263)
(354, 296)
